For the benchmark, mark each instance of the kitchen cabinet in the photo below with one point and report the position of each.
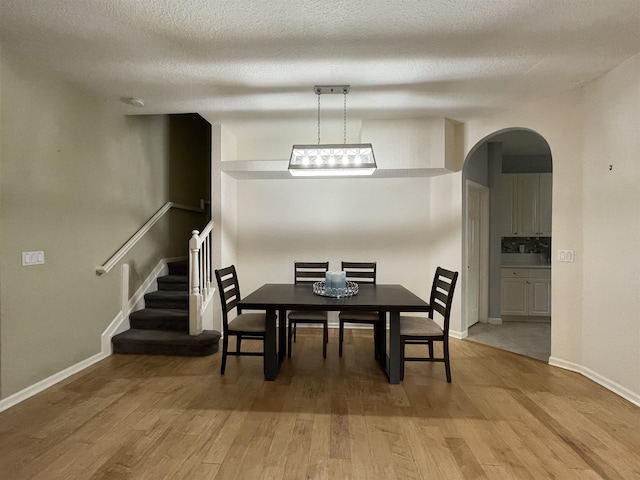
(544, 204)
(507, 195)
(525, 200)
(526, 291)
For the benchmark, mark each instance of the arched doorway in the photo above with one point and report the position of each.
(507, 242)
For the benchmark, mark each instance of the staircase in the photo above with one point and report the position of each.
(162, 327)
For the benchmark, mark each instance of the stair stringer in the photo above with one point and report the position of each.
(121, 321)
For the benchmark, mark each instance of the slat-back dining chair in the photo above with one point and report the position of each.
(307, 273)
(361, 273)
(248, 326)
(425, 331)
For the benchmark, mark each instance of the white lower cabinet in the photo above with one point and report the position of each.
(526, 291)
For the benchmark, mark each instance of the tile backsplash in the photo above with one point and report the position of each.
(526, 251)
(540, 245)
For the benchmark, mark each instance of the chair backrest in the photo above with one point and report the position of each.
(229, 289)
(360, 272)
(309, 272)
(444, 284)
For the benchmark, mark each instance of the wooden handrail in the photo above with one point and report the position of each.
(122, 251)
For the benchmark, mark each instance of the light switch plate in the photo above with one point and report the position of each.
(32, 258)
(565, 255)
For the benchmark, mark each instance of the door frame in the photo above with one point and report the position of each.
(483, 241)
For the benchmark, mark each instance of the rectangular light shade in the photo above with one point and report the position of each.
(332, 160)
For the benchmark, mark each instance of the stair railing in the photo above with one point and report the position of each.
(122, 251)
(201, 287)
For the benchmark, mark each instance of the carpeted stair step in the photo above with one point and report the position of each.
(167, 299)
(180, 267)
(165, 342)
(173, 282)
(160, 319)
(162, 327)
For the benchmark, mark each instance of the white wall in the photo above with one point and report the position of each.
(595, 301)
(409, 143)
(224, 199)
(611, 254)
(390, 221)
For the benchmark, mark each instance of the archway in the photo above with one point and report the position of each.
(507, 291)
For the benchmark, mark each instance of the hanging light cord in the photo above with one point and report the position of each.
(318, 117)
(345, 115)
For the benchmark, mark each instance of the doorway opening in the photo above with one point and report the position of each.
(507, 242)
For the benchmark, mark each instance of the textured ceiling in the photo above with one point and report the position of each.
(253, 64)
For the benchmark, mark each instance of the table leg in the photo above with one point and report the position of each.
(270, 347)
(282, 334)
(380, 337)
(394, 348)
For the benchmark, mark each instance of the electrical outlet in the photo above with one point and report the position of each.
(32, 258)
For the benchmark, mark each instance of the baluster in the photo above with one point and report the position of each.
(207, 263)
(194, 269)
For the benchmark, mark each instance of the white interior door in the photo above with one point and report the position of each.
(473, 254)
(476, 254)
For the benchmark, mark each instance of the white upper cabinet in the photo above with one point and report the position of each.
(544, 219)
(507, 192)
(525, 204)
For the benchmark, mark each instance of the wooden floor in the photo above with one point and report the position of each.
(504, 416)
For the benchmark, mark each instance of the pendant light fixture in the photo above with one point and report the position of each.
(323, 160)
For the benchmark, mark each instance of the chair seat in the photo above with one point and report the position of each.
(307, 316)
(368, 317)
(249, 323)
(419, 327)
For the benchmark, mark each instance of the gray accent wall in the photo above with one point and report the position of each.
(77, 179)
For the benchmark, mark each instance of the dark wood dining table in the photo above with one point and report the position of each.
(277, 298)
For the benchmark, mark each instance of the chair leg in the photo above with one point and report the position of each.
(430, 349)
(447, 366)
(238, 343)
(289, 340)
(295, 331)
(341, 338)
(225, 345)
(325, 339)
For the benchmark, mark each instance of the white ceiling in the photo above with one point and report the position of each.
(253, 64)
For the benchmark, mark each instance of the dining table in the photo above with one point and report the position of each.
(390, 300)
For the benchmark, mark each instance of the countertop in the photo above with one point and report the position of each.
(520, 265)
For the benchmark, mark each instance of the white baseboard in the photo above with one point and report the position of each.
(36, 388)
(458, 335)
(616, 388)
(494, 321)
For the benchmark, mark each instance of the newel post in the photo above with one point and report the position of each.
(195, 296)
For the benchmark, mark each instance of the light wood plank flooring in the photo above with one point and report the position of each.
(505, 416)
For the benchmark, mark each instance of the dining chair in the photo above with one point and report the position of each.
(247, 326)
(307, 273)
(361, 273)
(425, 331)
